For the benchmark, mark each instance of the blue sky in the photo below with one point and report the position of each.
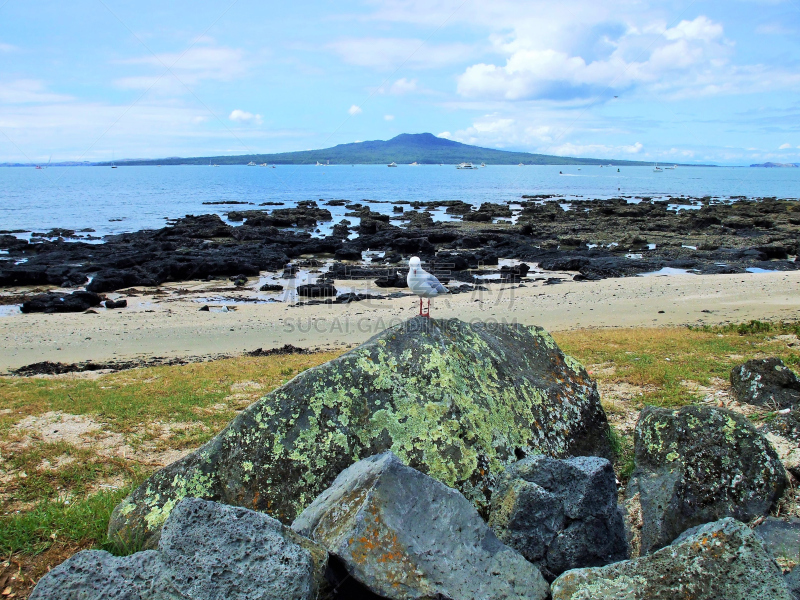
(667, 81)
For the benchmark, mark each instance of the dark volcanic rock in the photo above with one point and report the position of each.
(560, 514)
(781, 538)
(61, 303)
(406, 536)
(392, 280)
(455, 400)
(121, 303)
(765, 382)
(723, 560)
(271, 287)
(696, 465)
(207, 551)
(316, 290)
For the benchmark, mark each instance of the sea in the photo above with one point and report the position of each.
(111, 201)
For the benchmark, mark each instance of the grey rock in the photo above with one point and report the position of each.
(406, 536)
(781, 537)
(454, 400)
(792, 579)
(696, 465)
(560, 514)
(765, 382)
(207, 551)
(720, 560)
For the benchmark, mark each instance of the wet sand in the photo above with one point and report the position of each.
(169, 324)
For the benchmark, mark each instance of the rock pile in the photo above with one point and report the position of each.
(454, 400)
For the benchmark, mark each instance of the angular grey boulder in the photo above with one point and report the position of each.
(765, 382)
(781, 538)
(406, 536)
(455, 400)
(560, 514)
(723, 560)
(696, 465)
(207, 551)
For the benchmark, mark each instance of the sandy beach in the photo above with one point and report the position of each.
(166, 322)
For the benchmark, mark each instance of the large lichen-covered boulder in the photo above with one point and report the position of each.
(696, 465)
(765, 382)
(560, 514)
(455, 400)
(207, 551)
(720, 560)
(406, 536)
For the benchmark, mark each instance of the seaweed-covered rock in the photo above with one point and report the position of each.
(560, 514)
(207, 551)
(723, 559)
(406, 536)
(696, 465)
(454, 400)
(765, 382)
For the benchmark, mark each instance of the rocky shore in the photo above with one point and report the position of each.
(593, 239)
(463, 461)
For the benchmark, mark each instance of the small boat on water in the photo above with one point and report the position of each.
(520, 165)
(672, 168)
(414, 164)
(465, 165)
(392, 164)
(251, 164)
(483, 164)
(657, 169)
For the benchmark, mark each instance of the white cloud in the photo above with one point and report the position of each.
(354, 110)
(702, 28)
(7, 47)
(28, 91)
(390, 53)
(199, 63)
(404, 86)
(388, 117)
(446, 135)
(784, 146)
(242, 116)
(594, 150)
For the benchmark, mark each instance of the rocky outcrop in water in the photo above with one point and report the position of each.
(560, 514)
(696, 465)
(207, 551)
(405, 536)
(454, 400)
(720, 560)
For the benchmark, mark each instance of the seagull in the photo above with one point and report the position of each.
(423, 284)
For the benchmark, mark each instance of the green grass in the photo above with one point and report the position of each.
(663, 361)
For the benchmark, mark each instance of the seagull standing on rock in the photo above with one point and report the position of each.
(423, 284)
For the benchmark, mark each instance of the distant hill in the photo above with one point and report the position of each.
(423, 148)
(771, 165)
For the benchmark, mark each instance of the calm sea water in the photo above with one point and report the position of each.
(133, 198)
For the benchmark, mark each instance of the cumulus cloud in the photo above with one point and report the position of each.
(354, 110)
(388, 117)
(702, 28)
(404, 86)
(784, 146)
(242, 116)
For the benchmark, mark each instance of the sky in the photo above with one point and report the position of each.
(656, 81)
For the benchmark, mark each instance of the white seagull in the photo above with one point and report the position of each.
(423, 284)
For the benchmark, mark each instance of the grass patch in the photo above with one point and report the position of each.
(668, 362)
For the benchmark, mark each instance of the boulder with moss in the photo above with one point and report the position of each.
(696, 465)
(457, 401)
(765, 382)
(724, 559)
